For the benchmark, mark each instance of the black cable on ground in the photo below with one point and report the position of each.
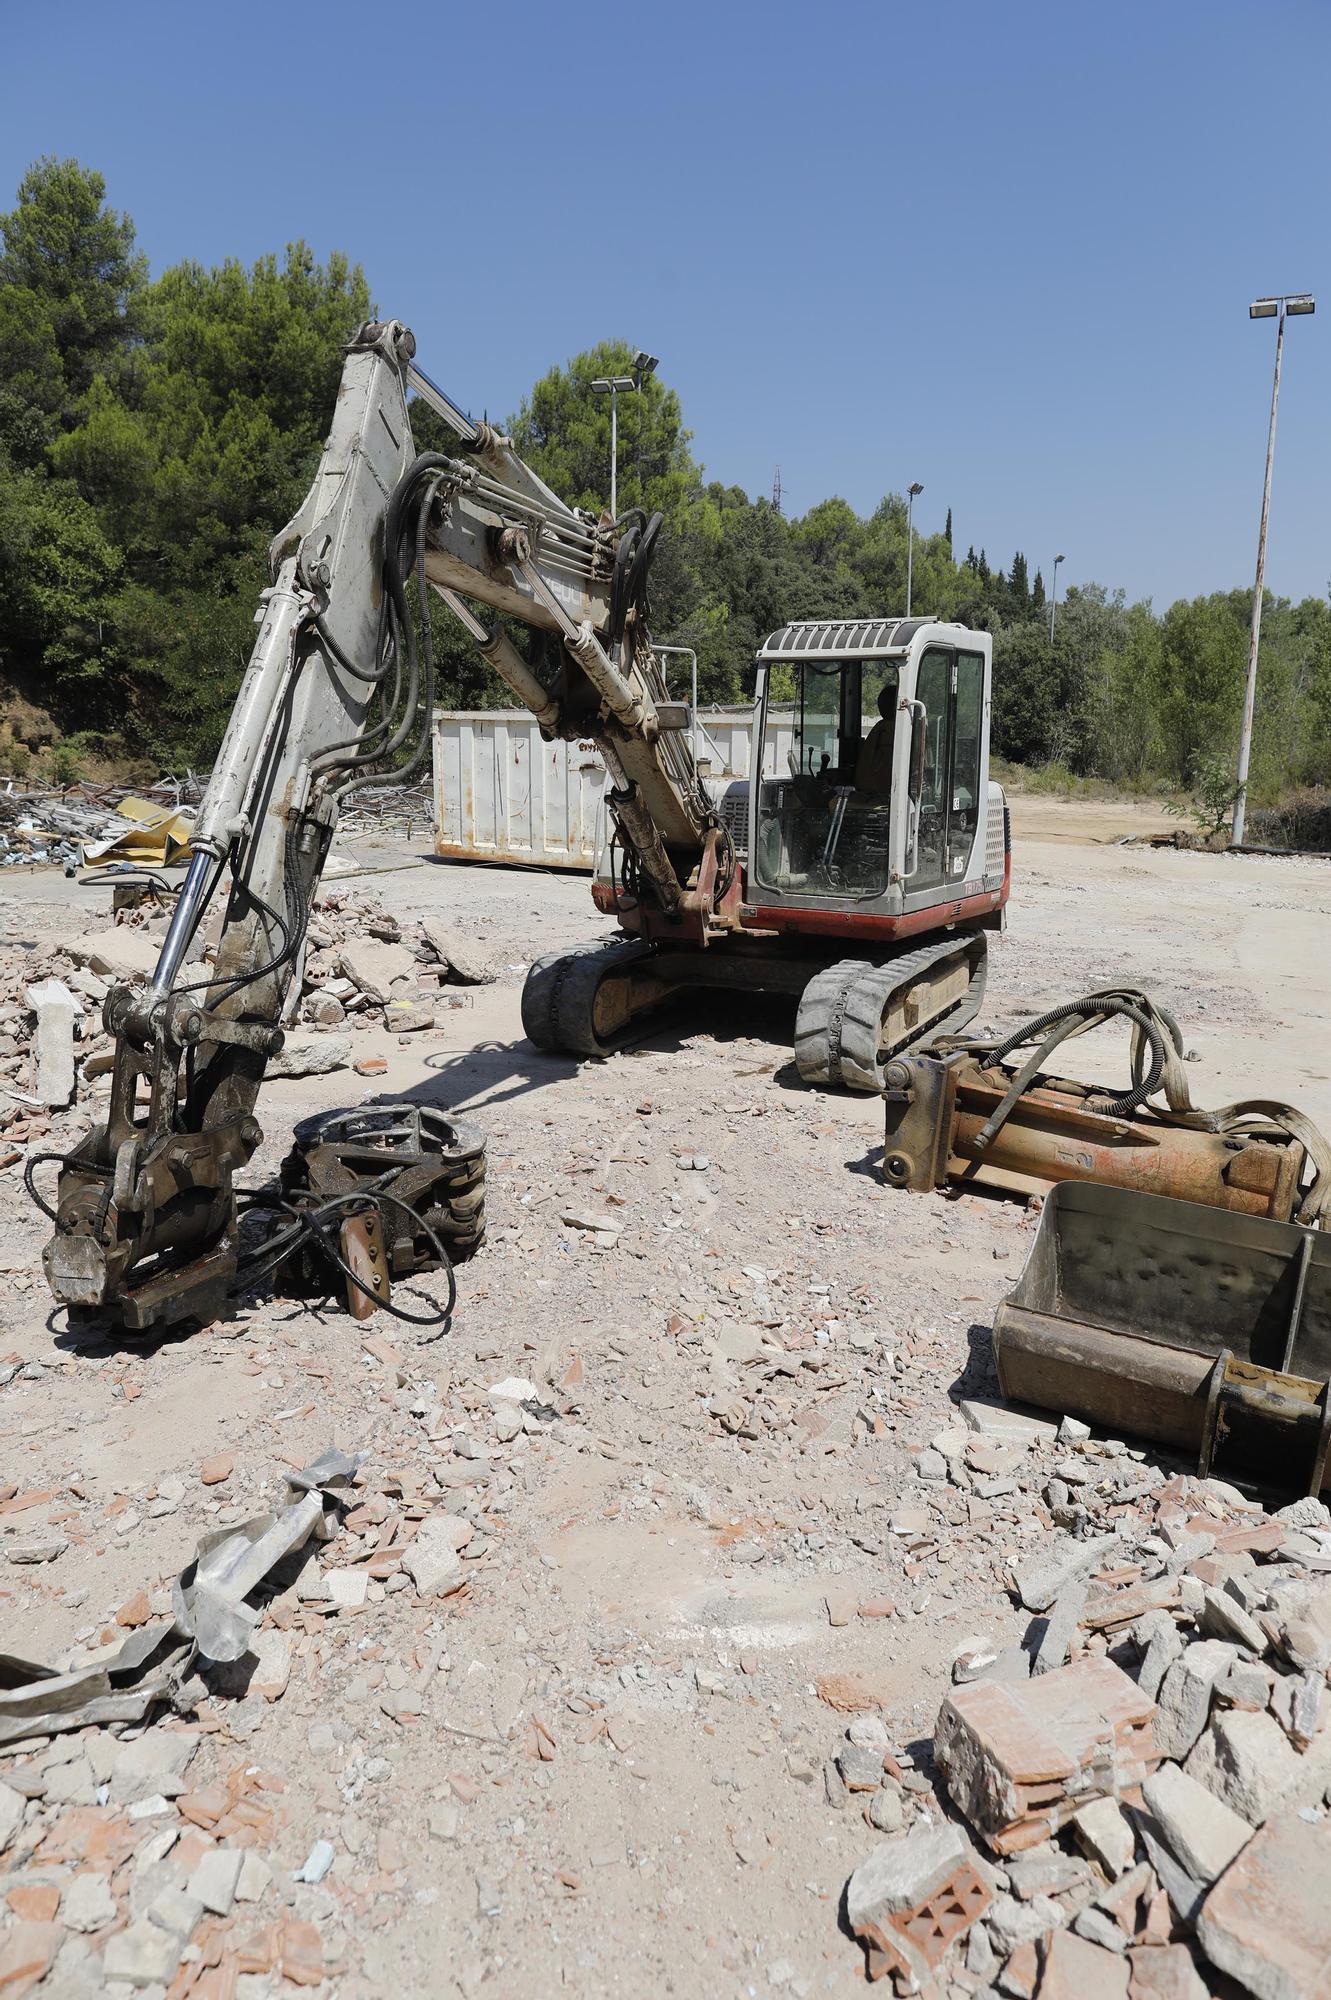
(308, 1226)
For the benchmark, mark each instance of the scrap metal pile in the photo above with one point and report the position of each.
(77, 824)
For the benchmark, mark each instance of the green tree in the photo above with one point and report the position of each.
(1198, 683)
(70, 278)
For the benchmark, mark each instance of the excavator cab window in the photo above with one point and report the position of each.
(823, 823)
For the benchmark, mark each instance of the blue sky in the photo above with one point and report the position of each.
(1006, 250)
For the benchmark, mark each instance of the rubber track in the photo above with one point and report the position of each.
(839, 1027)
(819, 1018)
(559, 996)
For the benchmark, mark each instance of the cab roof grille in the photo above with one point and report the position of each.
(841, 638)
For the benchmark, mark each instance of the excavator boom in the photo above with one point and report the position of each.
(338, 693)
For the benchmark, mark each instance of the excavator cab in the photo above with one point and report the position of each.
(874, 804)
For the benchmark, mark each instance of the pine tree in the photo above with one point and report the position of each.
(1017, 582)
(982, 569)
(972, 560)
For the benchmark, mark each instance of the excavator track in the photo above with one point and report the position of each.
(854, 1016)
(565, 1004)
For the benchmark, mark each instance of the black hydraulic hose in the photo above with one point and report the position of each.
(35, 1160)
(404, 774)
(1059, 1024)
(308, 1225)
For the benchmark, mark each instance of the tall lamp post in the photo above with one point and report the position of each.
(1293, 303)
(644, 364)
(610, 385)
(911, 491)
(1053, 598)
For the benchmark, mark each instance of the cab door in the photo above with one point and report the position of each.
(947, 718)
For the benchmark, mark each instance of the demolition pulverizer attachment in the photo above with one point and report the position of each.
(377, 1194)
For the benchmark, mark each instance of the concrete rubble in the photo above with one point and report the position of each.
(363, 968)
(1144, 1830)
(630, 1649)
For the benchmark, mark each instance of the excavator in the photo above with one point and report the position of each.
(880, 835)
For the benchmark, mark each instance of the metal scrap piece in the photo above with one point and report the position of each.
(210, 1594)
(35, 1700)
(212, 1619)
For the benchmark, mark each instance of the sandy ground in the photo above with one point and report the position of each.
(653, 1588)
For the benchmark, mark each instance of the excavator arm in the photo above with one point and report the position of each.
(338, 693)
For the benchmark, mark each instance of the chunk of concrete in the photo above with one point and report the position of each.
(1076, 1969)
(87, 1904)
(1203, 1832)
(432, 1561)
(1247, 1762)
(901, 1874)
(1103, 1831)
(1267, 1921)
(309, 1053)
(1165, 1972)
(464, 962)
(1184, 1700)
(373, 968)
(1059, 1625)
(214, 1879)
(53, 1044)
(12, 1808)
(153, 1763)
(142, 1955)
(124, 952)
(1042, 1578)
(1157, 1636)
(1223, 1617)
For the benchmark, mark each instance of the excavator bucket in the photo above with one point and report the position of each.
(1186, 1325)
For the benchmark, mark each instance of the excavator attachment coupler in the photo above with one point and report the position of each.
(1181, 1324)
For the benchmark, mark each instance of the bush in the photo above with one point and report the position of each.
(1302, 821)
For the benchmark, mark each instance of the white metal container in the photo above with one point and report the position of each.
(503, 794)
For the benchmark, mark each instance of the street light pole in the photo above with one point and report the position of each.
(911, 491)
(644, 364)
(1276, 309)
(1053, 600)
(610, 385)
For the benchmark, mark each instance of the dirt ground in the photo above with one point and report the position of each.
(598, 1768)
